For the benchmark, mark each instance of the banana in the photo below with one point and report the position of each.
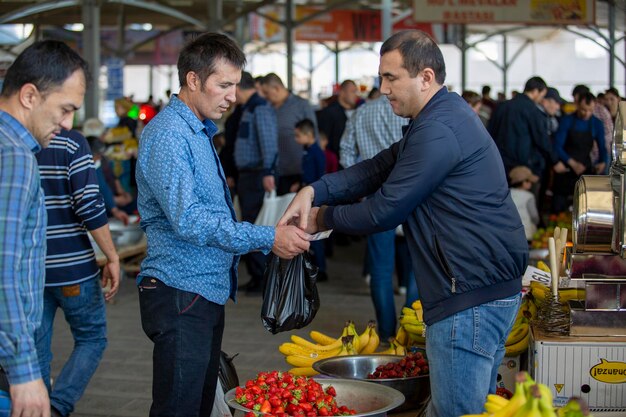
(309, 359)
(303, 371)
(414, 329)
(416, 305)
(546, 405)
(402, 336)
(519, 347)
(347, 348)
(417, 339)
(400, 350)
(356, 340)
(531, 407)
(517, 333)
(491, 407)
(390, 351)
(364, 337)
(373, 342)
(517, 401)
(293, 349)
(300, 341)
(407, 311)
(567, 294)
(410, 320)
(321, 338)
(542, 265)
(497, 399)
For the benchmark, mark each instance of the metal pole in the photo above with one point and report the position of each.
(239, 24)
(151, 80)
(336, 51)
(611, 43)
(215, 15)
(91, 52)
(310, 83)
(387, 25)
(290, 35)
(505, 65)
(463, 42)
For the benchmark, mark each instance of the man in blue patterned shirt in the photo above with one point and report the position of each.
(41, 91)
(194, 239)
(256, 150)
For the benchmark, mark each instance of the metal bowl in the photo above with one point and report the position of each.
(126, 235)
(366, 398)
(416, 389)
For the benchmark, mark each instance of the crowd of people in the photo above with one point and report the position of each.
(437, 186)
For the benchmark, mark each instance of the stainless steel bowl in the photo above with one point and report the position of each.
(416, 389)
(594, 214)
(366, 398)
(126, 235)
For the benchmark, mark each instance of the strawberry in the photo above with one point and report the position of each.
(331, 391)
(266, 407)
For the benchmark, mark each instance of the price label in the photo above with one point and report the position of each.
(535, 274)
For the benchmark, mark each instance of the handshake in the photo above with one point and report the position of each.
(299, 225)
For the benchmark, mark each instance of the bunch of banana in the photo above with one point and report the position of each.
(412, 323)
(395, 348)
(302, 353)
(575, 407)
(529, 400)
(519, 338)
(539, 292)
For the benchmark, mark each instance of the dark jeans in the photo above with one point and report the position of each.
(187, 333)
(251, 193)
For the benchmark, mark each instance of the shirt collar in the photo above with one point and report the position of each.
(20, 131)
(196, 124)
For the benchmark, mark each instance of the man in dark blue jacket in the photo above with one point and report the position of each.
(444, 181)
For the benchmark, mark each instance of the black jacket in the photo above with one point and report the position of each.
(445, 183)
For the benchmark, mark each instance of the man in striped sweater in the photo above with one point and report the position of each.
(75, 207)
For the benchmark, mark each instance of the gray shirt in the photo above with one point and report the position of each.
(289, 113)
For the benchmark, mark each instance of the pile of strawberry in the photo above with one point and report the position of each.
(413, 364)
(282, 394)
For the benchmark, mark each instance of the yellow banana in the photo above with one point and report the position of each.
(364, 338)
(308, 359)
(542, 265)
(410, 320)
(303, 371)
(300, 341)
(416, 305)
(531, 407)
(288, 348)
(356, 340)
(389, 351)
(414, 328)
(546, 405)
(519, 347)
(402, 337)
(407, 311)
(491, 407)
(400, 350)
(517, 401)
(497, 399)
(567, 294)
(374, 341)
(417, 339)
(321, 338)
(518, 332)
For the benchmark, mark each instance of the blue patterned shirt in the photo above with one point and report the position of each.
(372, 128)
(194, 239)
(256, 146)
(22, 251)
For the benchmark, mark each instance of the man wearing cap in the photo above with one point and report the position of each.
(573, 143)
(521, 180)
(551, 106)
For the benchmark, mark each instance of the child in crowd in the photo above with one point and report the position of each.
(332, 163)
(521, 180)
(313, 167)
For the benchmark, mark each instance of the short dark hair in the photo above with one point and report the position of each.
(201, 54)
(471, 97)
(46, 65)
(306, 126)
(580, 89)
(613, 91)
(247, 82)
(419, 51)
(486, 90)
(347, 83)
(586, 98)
(272, 79)
(535, 83)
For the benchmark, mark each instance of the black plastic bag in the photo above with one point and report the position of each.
(290, 298)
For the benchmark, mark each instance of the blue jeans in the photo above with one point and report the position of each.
(380, 263)
(187, 333)
(464, 352)
(86, 314)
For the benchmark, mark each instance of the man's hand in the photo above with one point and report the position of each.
(560, 168)
(120, 215)
(30, 399)
(268, 183)
(294, 187)
(111, 275)
(230, 181)
(600, 167)
(578, 167)
(299, 209)
(290, 241)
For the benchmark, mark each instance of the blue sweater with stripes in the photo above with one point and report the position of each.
(74, 205)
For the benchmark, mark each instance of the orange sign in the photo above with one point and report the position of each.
(336, 25)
